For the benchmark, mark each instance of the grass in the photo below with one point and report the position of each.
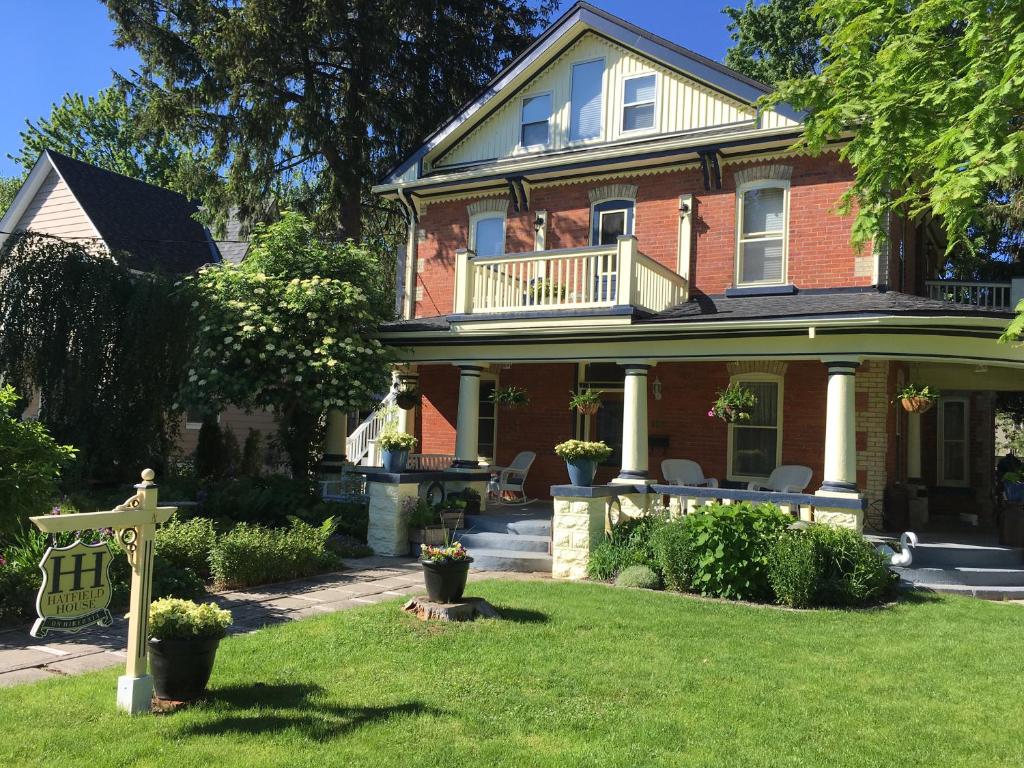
(576, 675)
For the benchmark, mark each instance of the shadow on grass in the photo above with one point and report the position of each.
(918, 596)
(522, 615)
(270, 708)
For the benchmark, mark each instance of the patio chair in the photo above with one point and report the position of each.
(507, 485)
(785, 478)
(685, 472)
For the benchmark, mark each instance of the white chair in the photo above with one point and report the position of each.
(786, 478)
(507, 485)
(685, 472)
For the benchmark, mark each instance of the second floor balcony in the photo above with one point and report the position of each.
(594, 277)
(1002, 296)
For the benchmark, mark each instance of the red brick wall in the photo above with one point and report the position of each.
(820, 255)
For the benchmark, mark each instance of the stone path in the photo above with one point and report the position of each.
(24, 659)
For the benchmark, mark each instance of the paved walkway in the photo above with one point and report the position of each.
(24, 659)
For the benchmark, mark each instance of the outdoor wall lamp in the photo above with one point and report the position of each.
(656, 388)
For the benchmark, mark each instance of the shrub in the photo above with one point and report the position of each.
(187, 543)
(630, 544)
(250, 554)
(174, 619)
(639, 577)
(210, 460)
(723, 550)
(822, 565)
(169, 580)
(17, 592)
(252, 454)
(269, 500)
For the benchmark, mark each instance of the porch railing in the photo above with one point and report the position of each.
(971, 293)
(569, 278)
(687, 498)
(359, 447)
(430, 462)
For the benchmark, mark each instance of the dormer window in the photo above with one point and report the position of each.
(638, 96)
(536, 118)
(762, 213)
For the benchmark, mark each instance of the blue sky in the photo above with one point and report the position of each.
(50, 47)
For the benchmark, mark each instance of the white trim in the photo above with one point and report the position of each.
(488, 376)
(656, 102)
(743, 188)
(551, 113)
(684, 243)
(940, 470)
(757, 377)
(602, 128)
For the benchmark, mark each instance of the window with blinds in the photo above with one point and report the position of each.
(638, 95)
(489, 236)
(536, 117)
(754, 444)
(585, 100)
(762, 235)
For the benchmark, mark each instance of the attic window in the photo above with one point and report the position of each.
(585, 100)
(536, 117)
(638, 94)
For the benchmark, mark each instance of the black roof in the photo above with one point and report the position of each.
(150, 226)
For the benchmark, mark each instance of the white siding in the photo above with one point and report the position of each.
(682, 104)
(54, 211)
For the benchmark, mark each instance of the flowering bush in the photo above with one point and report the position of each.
(734, 403)
(396, 441)
(174, 619)
(452, 553)
(571, 450)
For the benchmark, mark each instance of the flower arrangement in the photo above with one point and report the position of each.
(450, 553)
(407, 398)
(571, 450)
(734, 403)
(174, 619)
(586, 401)
(916, 398)
(396, 441)
(510, 396)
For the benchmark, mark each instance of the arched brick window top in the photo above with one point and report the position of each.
(776, 172)
(498, 205)
(613, 192)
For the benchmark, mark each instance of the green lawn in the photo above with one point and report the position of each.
(578, 674)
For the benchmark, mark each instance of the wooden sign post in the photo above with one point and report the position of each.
(134, 523)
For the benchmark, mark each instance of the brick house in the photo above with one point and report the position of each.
(617, 212)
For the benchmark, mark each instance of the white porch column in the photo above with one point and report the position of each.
(914, 447)
(406, 421)
(840, 475)
(335, 442)
(634, 425)
(467, 426)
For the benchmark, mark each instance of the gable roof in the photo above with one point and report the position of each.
(580, 18)
(149, 228)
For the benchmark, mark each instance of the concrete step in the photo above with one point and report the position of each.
(516, 524)
(474, 540)
(966, 590)
(943, 555)
(511, 560)
(972, 577)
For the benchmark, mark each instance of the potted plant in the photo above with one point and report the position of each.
(586, 401)
(423, 523)
(510, 396)
(445, 569)
(407, 398)
(1013, 483)
(581, 459)
(734, 404)
(183, 640)
(917, 399)
(544, 290)
(453, 512)
(394, 450)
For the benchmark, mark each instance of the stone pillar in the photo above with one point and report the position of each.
(577, 527)
(334, 442)
(634, 426)
(840, 475)
(467, 427)
(406, 421)
(388, 530)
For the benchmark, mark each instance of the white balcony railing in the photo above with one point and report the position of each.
(974, 294)
(568, 278)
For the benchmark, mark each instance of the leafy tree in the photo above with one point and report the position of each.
(9, 186)
(774, 41)
(30, 463)
(107, 348)
(329, 93)
(933, 91)
(290, 329)
(109, 130)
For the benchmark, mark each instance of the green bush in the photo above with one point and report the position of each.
(722, 550)
(826, 566)
(171, 580)
(271, 501)
(17, 592)
(639, 577)
(252, 454)
(210, 458)
(630, 543)
(187, 543)
(250, 554)
(173, 619)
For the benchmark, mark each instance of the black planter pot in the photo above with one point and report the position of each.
(445, 581)
(181, 668)
(407, 400)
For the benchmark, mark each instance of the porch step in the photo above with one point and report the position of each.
(477, 540)
(965, 577)
(508, 542)
(948, 555)
(967, 590)
(520, 525)
(511, 560)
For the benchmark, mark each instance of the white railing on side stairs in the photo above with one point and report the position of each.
(361, 441)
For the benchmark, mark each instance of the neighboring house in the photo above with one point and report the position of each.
(149, 228)
(615, 211)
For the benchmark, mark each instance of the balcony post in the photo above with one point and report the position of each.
(467, 425)
(626, 268)
(840, 474)
(464, 275)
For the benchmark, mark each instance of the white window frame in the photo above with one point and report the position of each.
(477, 217)
(600, 214)
(742, 378)
(656, 103)
(940, 473)
(604, 99)
(486, 376)
(551, 114)
(749, 186)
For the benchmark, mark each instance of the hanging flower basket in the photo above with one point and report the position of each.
(734, 404)
(407, 399)
(587, 401)
(510, 397)
(916, 404)
(916, 398)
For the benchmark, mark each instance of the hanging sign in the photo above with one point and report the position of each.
(76, 589)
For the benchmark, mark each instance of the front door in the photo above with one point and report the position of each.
(953, 448)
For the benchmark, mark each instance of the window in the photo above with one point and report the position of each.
(755, 445)
(761, 251)
(487, 421)
(609, 220)
(953, 447)
(487, 235)
(638, 95)
(585, 100)
(535, 120)
(194, 418)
